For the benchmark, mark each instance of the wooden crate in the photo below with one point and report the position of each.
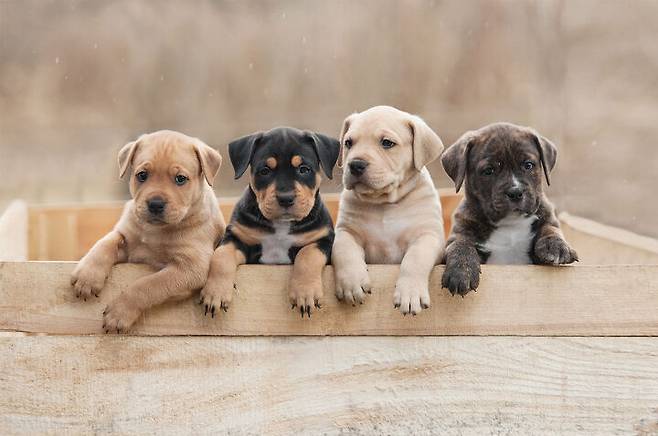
(537, 350)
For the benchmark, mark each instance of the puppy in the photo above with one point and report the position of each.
(389, 209)
(171, 224)
(280, 218)
(505, 218)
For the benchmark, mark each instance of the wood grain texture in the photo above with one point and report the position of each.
(512, 300)
(13, 232)
(437, 385)
(67, 232)
(599, 244)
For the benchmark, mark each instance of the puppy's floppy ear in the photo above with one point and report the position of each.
(126, 155)
(327, 149)
(209, 158)
(241, 151)
(427, 146)
(346, 125)
(547, 154)
(455, 159)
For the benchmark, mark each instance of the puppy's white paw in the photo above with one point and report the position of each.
(217, 294)
(87, 280)
(411, 295)
(353, 285)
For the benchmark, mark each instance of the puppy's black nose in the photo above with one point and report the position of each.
(515, 194)
(358, 167)
(285, 200)
(156, 205)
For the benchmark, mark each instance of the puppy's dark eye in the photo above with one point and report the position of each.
(304, 169)
(142, 176)
(488, 171)
(264, 171)
(528, 165)
(348, 143)
(180, 180)
(387, 143)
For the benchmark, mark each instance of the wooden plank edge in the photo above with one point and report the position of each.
(512, 301)
(14, 232)
(610, 233)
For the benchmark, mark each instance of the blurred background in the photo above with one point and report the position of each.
(78, 79)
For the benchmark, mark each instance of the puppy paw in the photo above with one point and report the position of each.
(120, 315)
(553, 250)
(411, 295)
(353, 285)
(87, 280)
(306, 295)
(461, 278)
(216, 295)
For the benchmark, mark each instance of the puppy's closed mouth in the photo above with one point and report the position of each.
(367, 189)
(156, 221)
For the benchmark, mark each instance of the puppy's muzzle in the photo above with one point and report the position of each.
(285, 200)
(156, 206)
(515, 195)
(357, 167)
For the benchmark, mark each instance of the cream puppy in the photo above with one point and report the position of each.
(172, 224)
(389, 210)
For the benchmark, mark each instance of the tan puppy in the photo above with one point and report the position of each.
(171, 224)
(389, 209)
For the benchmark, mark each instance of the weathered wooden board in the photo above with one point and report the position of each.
(512, 300)
(437, 385)
(64, 232)
(13, 232)
(600, 244)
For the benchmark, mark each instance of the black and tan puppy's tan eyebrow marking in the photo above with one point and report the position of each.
(280, 218)
(296, 161)
(505, 217)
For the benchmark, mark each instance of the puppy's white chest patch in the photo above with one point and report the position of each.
(510, 242)
(276, 245)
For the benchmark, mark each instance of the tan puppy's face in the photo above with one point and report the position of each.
(383, 147)
(168, 173)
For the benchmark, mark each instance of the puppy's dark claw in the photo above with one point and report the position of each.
(293, 305)
(424, 305)
(224, 307)
(212, 311)
(206, 312)
(317, 304)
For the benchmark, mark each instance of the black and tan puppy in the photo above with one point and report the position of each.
(280, 218)
(505, 217)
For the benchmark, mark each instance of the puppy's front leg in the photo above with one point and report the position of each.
(462, 273)
(88, 277)
(348, 259)
(218, 290)
(174, 282)
(412, 288)
(305, 288)
(551, 248)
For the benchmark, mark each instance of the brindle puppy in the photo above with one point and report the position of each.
(280, 219)
(505, 216)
